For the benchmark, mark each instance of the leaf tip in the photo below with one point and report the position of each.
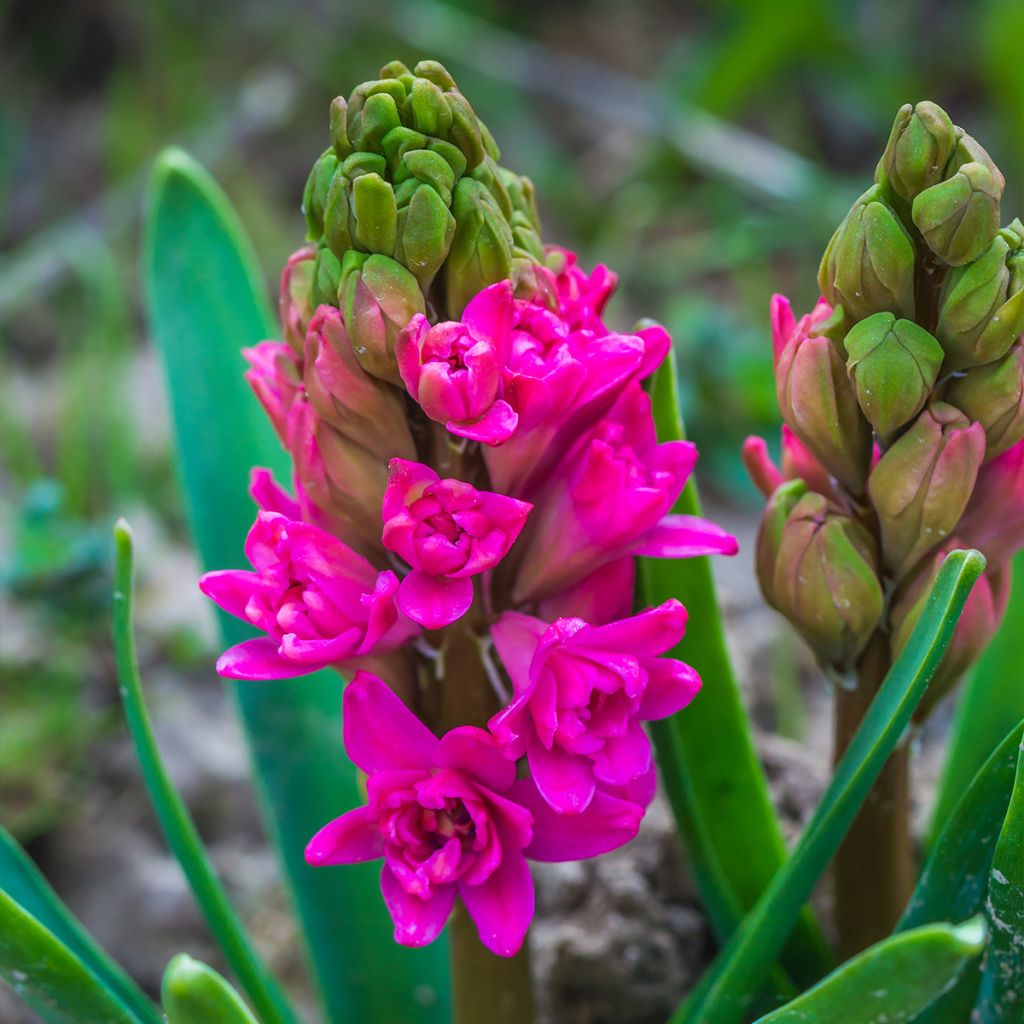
(972, 933)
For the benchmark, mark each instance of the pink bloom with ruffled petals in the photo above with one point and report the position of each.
(581, 692)
(455, 369)
(448, 532)
(450, 819)
(317, 600)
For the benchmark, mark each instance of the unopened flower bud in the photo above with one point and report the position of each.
(378, 299)
(993, 395)
(894, 365)
(968, 150)
(769, 534)
(826, 581)
(326, 278)
(819, 404)
(959, 217)
(920, 144)
(979, 315)
(481, 253)
(868, 266)
(921, 485)
(994, 521)
(978, 622)
(295, 298)
(314, 198)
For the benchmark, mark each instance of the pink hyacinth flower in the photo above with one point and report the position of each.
(275, 376)
(455, 369)
(318, 602)
(450, 819)
(448, 532)
(581, 692)
(581, 296)
(612, 497)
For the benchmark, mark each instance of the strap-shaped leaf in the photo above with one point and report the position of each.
(892, 980)
(175, 820)
(728, 989)
(193, 993)
(1001, 998)
(205, 302)
(24, 883)
(711, 772)
(49, 977)
(992, 700)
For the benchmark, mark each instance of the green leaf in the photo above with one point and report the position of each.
(992, 700)
(49, 977)
(23, 883)
(892, 980)
(711, 772)
(193, 993)
(205, 302)
(728, 989)
(1002, 982)
(176, 822)
(954, 881)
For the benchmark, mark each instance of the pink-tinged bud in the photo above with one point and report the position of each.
(994, 519)
(450, 818)
(347, 397)
(581, 296)
(799, 464)
(448, 532)
(826, 581)
(769, 534)
(921, 485)
(993, 395)
(763, 472)
(275, 376)
(295, 301)
(580, 694)
(819, 404)
(612, 496)
(317, 600)
(787, 330)
(455, 370)
(978, 623)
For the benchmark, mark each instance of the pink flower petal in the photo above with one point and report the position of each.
(476, 754)
(230, 589)
(406, 482)
(494, 428)
(417, 921)
(502, 906)
(350, 839)
(685, 537)
(647, 634)
(259, 659)
(516, 636)
(564, 780)
(434, 601)
(671, 685)
(381, 733)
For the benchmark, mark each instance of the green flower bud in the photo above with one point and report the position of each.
(374, 214)
(314, 198)
(993, 395)
(979, 314)
(969, 150)
(920, 144)
(868, 266)
(826, 580)
(378, 298)
(921, 485)
(893, 365)
(426, 230)
(326, 277)
(339, 127)
(769, 534)
(481, 252)
(959, 217)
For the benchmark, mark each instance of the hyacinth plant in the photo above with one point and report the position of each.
(476, 620)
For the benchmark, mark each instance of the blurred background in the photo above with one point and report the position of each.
(703, 150)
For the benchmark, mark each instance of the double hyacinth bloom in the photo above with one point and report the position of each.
(901, 400)
(475, 470)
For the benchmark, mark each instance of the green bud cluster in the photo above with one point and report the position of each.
(412, 177)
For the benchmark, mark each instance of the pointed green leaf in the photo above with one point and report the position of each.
(730, 986)
(892, 980)
(205, 302)
(712, 776)
(23, 882)
(193, 993)
(49, 977)
(175, 820)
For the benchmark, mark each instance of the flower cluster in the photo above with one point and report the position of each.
(469, 497)
(902, 396)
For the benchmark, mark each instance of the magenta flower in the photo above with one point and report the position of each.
(612, 497)
(448, 532)
(581, 296)
(275, 376)
(317, 600)
(455, 369)
(450, 819)
(581, 692)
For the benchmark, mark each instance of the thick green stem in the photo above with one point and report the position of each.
(873, 870)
